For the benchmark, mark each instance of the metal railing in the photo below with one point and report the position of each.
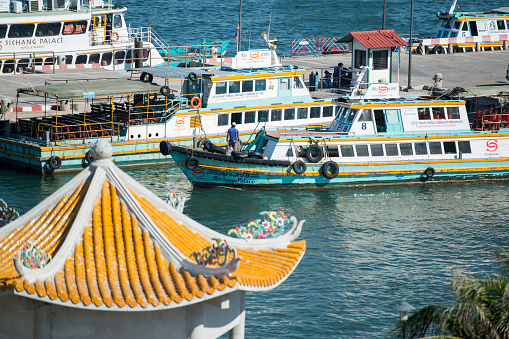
(318, 46)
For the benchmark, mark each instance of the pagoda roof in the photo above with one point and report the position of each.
(376, 39)
(115, 245)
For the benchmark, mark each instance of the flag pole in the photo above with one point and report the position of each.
(240, 27)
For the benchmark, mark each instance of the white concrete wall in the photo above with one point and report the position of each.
(208, 319)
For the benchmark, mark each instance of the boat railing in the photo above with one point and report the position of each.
(147, 34)
(490, 119)
(65, 130)
(318, 46)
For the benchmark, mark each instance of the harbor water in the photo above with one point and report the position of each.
(368, 248)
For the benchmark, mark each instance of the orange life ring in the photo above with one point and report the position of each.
(195, 102)
(114, 36)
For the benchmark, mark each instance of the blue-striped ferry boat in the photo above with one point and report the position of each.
(179, 105)
(371, 141)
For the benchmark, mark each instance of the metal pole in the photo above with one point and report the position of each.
(383, 17)
(240, 26)
(409, 87)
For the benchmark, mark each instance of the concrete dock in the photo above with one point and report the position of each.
(480, 73)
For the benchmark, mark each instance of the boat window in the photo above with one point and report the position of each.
(119, 57)
(221, 87)
(315, 112)
(327, 111)
(21, 31)
(247, 86)
(420, 148)
(250, 117)
(68, 59)
(106, 59)
(342, 113)
(377, 150)
(289, 113)
(8, 66)
(234, 87)
(464, 146)
(453, 34)
(37, 61)
(365, 115)
(49, 61)
(297, 83)
(48, 29)
(3, 30)
(406, 149)
(117, 21)
(260, 85)
(352, 114)
(381, 59)
(500, 25)
(449, 147)
(360, 58)
(473, 28)
(445, 34)
(391, 150)
(380, 121)
(347, 151)
(302, 113)
(361, 150)
(275, 115)
(332, 151)
(438, 113)
(222, 119)
(424, 114)
(438, 35)
(237, 117)
(81, 59)
(74, 27)
(435, 148)
(506, 23)
(285, 83)
(453, 112)
(457, 25)
(447, 24)
(263, 116)
(465, 27)
(94, 58)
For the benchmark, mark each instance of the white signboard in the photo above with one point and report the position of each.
(4, 5)
(255, 59)
(382, 91)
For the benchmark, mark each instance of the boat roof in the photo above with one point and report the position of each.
(50, 13)
(93, 88)
(117, 246)
(216, 73)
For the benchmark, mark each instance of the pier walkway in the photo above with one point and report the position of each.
(479, 73)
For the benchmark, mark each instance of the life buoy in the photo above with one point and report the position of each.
(88, 156)
(326, 170)
(165, 90)
(195, 102)
(54, 162)
(299, 167)
(192, 163)
(165, 147)
(114, 36)
(192, 76)
(429, 172)
(314, 153)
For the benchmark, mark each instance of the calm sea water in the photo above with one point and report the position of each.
(368, 247)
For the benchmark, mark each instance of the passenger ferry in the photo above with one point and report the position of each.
(371, 141)
(163, 103)
(488, 28)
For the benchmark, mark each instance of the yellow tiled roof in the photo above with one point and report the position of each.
(116, 262)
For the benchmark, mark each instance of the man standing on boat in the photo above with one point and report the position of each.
(232, 138)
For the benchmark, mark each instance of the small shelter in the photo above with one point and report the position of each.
(105, 257)
(373, 49)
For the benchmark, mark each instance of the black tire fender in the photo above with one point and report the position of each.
(204, 143)
(165, 147)
(314, 153)
(165, 90)
(326, 167)
(88, 156)
(429, 172)
(238, 155)
(192, 76)
(54, 162)
(146, 77)
(255, 155)
(192, 163)
(299, 167)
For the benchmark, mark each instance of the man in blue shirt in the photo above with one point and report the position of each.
(232, 138)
